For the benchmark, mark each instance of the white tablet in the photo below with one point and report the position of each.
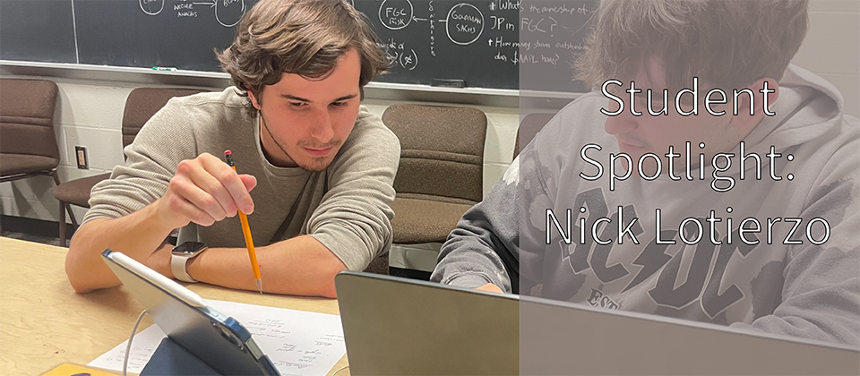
(217, 340)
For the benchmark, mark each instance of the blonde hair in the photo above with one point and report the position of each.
(304, 37)
(727, 43)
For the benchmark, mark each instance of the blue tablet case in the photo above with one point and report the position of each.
(171, 359)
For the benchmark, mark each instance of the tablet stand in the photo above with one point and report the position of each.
(171, 359)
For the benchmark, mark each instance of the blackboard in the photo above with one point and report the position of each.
(147, 33)
(37, 31)
(552, 35)
(476, 43)
(447, 40)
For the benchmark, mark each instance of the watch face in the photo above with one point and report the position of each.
(189, 248)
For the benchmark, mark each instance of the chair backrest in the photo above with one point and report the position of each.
(144, 102)
(27, 117)
(442, 151)
(529, 127)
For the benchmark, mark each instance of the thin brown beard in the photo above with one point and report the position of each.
(263, 120)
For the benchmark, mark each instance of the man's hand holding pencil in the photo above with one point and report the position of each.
(205, 190)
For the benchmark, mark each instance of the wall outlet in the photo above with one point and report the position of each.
(81, 156)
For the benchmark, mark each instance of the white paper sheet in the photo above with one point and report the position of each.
(297, 342)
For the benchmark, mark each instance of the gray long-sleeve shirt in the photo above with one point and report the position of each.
(347, 207)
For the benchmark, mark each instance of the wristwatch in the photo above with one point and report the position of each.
(179, 260)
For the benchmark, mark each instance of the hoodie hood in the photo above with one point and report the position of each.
(808, 107)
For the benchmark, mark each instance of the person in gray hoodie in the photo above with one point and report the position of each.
(705, 178)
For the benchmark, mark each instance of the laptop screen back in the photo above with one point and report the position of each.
(395, 326)
(401, 326)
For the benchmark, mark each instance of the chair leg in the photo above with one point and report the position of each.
(71, 215)
(62, 224)
(68, 208)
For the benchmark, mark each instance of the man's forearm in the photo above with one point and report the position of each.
(298, 266)
(137, 235)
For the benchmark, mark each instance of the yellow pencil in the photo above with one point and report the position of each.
(246, 230)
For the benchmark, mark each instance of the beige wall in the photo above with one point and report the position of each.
(832, 47)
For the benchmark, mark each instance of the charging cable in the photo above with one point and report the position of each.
(128, 347)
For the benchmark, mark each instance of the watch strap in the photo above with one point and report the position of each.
(178, 265)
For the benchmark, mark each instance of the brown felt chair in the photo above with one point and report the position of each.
(141, 104)
(529, 127)
(28, 145)
(441, 168)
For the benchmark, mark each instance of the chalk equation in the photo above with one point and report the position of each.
(228, 13)
(464, 22)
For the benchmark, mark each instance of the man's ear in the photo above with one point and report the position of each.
(253, 97)
(760, 107)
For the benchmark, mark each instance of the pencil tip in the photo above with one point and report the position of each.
(260, 286)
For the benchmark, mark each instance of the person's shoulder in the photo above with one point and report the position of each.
(370, 144)
(840, 147)
(228, 97)
(369, 128)
(577, 123)
(584, 108)
(207, 109)
(368, 120)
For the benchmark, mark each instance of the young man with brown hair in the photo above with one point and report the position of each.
(704, 179)
(316, 168)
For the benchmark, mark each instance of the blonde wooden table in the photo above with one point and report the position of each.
(44, 323)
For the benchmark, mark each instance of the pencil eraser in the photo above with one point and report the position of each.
(227, 152)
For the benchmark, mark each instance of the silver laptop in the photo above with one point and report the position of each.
(397, 326)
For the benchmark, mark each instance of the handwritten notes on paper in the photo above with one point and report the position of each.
(297, 343)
